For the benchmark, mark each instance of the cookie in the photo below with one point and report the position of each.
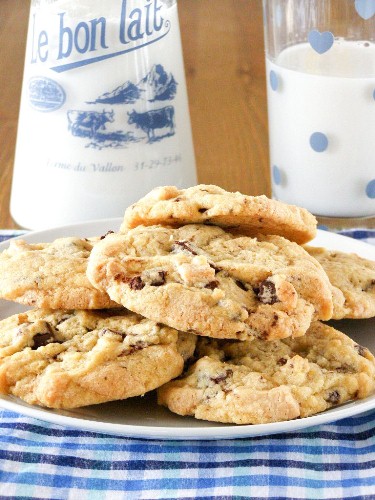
(261, 382)
(353, 281)
(203, 280)
(50, 275)
(207, 204)
(68, 359)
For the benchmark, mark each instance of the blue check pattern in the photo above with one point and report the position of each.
(39, 460)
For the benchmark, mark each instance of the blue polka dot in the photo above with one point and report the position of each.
(319, 142)
(323, 227)
(373, 94)
(370, 189)
(276, 175)
(274, 80)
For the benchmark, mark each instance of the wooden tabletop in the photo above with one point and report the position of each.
(224, 63)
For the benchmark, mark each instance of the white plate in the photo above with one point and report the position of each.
(141, 417)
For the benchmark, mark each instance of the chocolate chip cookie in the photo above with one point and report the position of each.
(50, 275)
(261, 382)
(209, 282)
(68, 359)
(353, 281)
(208, 204)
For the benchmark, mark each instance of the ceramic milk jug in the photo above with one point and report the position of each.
(104, 112)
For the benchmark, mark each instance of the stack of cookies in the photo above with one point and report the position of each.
(206, 295)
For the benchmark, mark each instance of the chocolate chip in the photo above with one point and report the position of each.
(282, 361)
(183, 246)
(136, 347)
(361, 350)
(202, 210)
(63, 319)
(42, 339)
(115, 332)
(159, 278)
(241, 285)
(275, 320)
(223, 376)
(333, 397)
(215, 268)
(106, 234)
(136, 283)
(345, 368)
(369, 286)
(212, 285)
(267, 292)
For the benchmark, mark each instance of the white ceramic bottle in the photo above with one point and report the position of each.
(104, 112)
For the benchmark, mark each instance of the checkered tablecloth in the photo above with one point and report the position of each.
(46, 461)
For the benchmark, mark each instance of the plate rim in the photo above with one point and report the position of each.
(213, 430)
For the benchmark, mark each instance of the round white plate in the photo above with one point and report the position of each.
(142, 417)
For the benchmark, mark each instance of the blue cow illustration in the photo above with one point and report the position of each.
(152, 120)
(87, 123)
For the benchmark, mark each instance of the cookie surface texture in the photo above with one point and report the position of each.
(208, 204)
(69, 359)
(263, 382)
(203, 280)
(50, 275)
(353, 280)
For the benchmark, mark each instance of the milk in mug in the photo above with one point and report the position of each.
(322, 128)
(104, 113)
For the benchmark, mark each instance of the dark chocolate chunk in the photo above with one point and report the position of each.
(183, 246)
(106, 234)
(215, 268)
(241, 285)
(136, 347)
(345, 368)
(333, 397)
(43, 338)
(369, 286)
(136, 283)
(115, 332)
(360, 349)
(159, 279)
(202, 210)
(282, 361)
(212, 285)
(267, 292)
(222, 377)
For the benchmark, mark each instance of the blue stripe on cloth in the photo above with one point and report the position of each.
(25, 498)
(367, 497)
(39, 460)
(159, 484)
(80, 463)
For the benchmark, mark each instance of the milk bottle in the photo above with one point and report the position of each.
(104, 113)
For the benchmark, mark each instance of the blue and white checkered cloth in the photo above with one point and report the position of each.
(45, 461)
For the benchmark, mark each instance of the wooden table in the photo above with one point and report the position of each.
(224, 60)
